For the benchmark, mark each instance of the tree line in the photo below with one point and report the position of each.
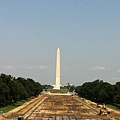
(100, 91)
(15, 89)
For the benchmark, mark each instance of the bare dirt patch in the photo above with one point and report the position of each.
(59, 107)
(64, 107)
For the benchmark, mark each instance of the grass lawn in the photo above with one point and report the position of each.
(10, 107)
(113, 107)
(58, 91)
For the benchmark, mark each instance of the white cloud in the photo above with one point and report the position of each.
(118, 71)
(115, 78)
(29, 67)
(42, 67)
(10, 67)
(97, 68)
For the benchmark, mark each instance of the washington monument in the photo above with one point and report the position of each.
(57, 84)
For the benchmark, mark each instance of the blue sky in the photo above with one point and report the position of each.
(86, 31)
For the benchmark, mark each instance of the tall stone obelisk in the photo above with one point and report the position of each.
(57, 85)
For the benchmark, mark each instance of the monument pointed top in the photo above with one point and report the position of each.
(58, 49)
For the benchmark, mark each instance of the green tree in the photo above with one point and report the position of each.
(72, 88)
(17, 91)
(116, 99)
(4, 94)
